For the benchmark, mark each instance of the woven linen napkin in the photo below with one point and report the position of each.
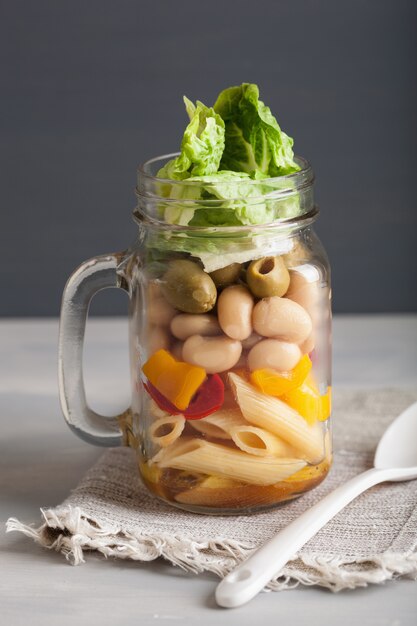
(370, 541)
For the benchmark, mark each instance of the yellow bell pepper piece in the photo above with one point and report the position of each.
(276, 383)
(325, 399)
(307, 401)
(176, 380)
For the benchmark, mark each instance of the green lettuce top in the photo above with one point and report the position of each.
(226, 147)
(254, 143)
(234, 155)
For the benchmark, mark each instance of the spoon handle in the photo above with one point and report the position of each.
(244, 582)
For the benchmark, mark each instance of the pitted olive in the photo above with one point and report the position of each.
(268, 277)
(188, 288)
(226, 275)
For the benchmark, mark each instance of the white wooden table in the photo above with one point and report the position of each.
(41, 460)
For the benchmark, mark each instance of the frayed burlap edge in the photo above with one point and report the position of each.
(69, 531)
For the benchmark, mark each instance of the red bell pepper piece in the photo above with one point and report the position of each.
(208, 399)
(160, 400)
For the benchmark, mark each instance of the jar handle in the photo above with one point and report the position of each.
(90, 277)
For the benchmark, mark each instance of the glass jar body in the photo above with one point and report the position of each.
(231, 365)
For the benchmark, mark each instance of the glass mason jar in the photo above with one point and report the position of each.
(230, 342)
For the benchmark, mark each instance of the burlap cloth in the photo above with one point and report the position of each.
(372, 540)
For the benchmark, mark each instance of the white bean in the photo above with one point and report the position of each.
(187, 324)
(234, 310)
(304, 287)
(308, 345)
(281, 318)
(157, 339)
(274, 354)
(160, 311)
(215, 354)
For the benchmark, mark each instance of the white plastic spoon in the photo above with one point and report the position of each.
(395, 460)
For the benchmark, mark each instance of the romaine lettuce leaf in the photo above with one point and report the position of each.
(220, 199)
(240, 201)
(216, 251)
(228, 174)
(228, 199)
(254, 142)
(201, 147)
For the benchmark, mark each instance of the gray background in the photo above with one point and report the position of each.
(90, 88)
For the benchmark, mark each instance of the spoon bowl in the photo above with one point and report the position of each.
(397, 447)
(395, 460)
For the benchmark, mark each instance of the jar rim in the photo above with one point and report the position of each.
(303, 176)
(299, 221)
(156, 196)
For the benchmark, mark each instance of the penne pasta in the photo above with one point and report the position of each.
(204, 457)
(173, 450)
(258, 441)
(220, 423)
(166, 430)
(278, 418)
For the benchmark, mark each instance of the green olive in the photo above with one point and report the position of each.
(188, 288)
(226, 275)
(268, 277)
